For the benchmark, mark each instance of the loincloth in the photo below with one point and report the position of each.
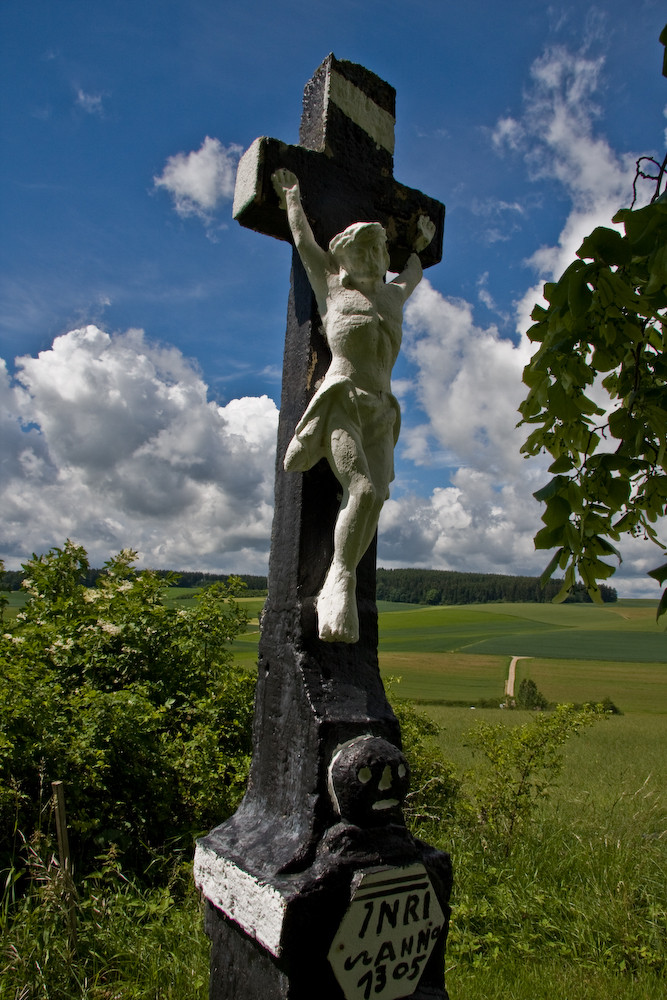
(339, 404)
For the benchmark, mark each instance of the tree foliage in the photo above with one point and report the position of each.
(433, 586)
(598, 399)
(528, 695)
(254, 586)
(137, 707)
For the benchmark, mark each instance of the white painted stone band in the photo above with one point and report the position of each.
(363, 111)
(247, 176)
(256, 907)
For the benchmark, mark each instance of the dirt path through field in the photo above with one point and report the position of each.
(511, 675)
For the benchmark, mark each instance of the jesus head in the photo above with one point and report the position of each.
(361, 250)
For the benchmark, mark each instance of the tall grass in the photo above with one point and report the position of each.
(132, 943)
(576, 908)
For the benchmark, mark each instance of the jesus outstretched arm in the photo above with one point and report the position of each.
(315, 260)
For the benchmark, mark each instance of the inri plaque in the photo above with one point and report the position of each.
(387, 934)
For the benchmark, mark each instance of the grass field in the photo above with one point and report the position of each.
(577, 909)
(440, 677)
(576, 652)
(622, 758)
(624, 631)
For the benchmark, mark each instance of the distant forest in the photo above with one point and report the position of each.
(256, 585)
(409, 586)
(435, 586)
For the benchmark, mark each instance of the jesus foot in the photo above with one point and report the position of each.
(338, 619)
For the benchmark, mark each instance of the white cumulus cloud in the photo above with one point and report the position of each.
(468, 385)
(483, 517)
(201, 180)
(556, 135)
(111, 441)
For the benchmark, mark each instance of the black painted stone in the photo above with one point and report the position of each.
(313, 696)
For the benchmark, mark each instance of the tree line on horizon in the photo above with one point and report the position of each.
(406, 586)
(434, 586)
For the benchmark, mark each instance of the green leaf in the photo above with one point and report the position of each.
(562, 464)
(605, 326)
(618, 491)
(604, 359)
(658, 271)
(605, 548)
(534, 442)
(555, 486)
(551, 568)
(547, 538)
(568, 584)
(557, 513)
(579, 295)
(659, 574)
(586, 405)
(662, 606)
(606, 245)
(642, 227)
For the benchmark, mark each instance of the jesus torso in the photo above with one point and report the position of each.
(363, 331)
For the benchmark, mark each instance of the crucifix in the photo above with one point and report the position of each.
(287, 876)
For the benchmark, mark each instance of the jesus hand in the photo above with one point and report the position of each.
(425, 233)
(283, 182)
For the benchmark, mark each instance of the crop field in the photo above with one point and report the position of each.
(574, 652)
(440, 677)
(633, 686)
(623, 631)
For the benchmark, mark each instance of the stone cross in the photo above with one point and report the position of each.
(276, 877)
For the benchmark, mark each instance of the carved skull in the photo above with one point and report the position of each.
(368, 781)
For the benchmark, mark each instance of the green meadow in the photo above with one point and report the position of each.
(572, 906)
(439, 655)
(573, 652)
(623, 631)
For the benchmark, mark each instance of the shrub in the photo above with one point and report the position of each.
(529, 697)
(136, 707)
(434, 787)
(522, 763)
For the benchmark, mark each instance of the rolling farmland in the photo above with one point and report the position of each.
(576, 652)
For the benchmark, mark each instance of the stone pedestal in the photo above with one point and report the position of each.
(365, 919)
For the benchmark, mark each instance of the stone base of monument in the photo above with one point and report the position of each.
(368, 918)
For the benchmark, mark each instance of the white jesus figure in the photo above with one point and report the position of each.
(353, 419)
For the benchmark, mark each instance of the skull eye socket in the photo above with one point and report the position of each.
(364, 775)
(386, 780)
(401, 770)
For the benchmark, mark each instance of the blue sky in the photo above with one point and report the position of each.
(142, 328)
